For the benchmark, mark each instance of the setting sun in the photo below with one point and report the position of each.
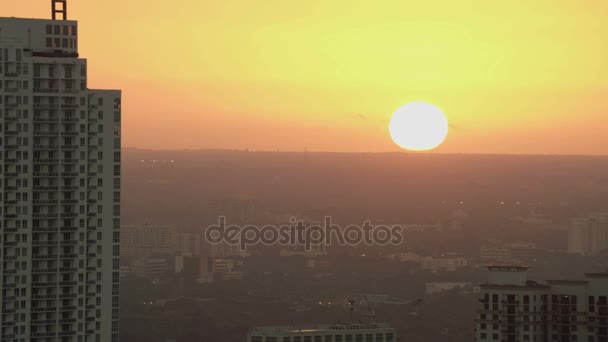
(418, 126)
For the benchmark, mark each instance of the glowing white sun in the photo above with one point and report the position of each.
(418, 126)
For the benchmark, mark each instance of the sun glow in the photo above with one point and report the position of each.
(418, 126)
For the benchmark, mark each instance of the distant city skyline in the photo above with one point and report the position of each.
(326, 76)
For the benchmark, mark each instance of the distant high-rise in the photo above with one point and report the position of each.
(59, 187)
(147, 240)
(588, 235)
(515, 309)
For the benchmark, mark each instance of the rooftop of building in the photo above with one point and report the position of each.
(449, 256)
(507, 268)
(530, 286)
(567, 282)
(44, 20)
(603, 275)
(534, 285)
(322, 328)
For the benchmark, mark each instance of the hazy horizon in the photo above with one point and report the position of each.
(435, 153)
(511, 77)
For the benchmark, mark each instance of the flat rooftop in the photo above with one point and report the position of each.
(48, 21)
(506, 268)
(323, 328)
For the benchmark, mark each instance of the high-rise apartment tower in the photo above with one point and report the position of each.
(59, 187)
(515, 309)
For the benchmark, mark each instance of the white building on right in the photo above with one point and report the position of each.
(515, 309)
(588, 235)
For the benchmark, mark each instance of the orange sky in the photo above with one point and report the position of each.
(512, 76)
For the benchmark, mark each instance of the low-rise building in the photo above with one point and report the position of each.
(149, 267)
(316, 250)
(211, 269)
(500, 255)
(439, 287)
(231, 275)
(449, 263)
(407, 257)
(510, 253)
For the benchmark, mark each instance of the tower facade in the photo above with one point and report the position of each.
(60, 188)
(515, 309)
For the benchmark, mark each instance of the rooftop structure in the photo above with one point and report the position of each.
(378, 332)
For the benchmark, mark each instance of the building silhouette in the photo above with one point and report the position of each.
(59, 186)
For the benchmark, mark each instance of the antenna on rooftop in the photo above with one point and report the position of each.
(60, 7)
(351, 308)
